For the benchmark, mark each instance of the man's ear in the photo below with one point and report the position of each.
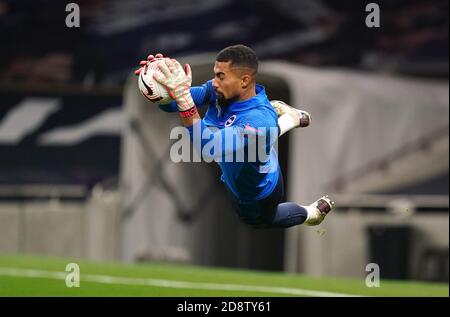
(245, 81)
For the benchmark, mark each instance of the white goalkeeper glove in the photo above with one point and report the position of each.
(177, 82)
(144, 64)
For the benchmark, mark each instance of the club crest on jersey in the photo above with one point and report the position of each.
(230, 120)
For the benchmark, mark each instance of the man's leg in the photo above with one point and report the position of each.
(291, 214)
(288, 214)
(290, 117)
(270, 213)
(265, 214)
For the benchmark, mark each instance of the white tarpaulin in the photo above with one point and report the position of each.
(362, 124)
(358, 119)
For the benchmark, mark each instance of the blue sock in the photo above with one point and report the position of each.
(289, 214)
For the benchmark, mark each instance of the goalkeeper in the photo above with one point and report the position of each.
(239, 107)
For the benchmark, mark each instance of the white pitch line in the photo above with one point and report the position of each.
(106, 279)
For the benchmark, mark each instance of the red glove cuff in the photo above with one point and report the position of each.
(188, 113)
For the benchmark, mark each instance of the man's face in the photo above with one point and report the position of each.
(226, 83)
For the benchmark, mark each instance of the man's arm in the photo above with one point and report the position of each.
(178, 83)
(201, 96)
(230, 142)
(227, 141)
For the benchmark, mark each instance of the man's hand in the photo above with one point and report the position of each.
(177, 82)
(144, 64)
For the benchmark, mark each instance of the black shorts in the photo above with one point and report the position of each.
(261, 212)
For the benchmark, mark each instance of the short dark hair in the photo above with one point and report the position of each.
(239, 55)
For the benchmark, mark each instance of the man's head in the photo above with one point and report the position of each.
(234, 74)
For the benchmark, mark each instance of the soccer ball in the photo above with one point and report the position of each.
(149, 87)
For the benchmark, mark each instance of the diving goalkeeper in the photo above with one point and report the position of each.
(239, 107)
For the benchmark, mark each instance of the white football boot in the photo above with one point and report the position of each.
(318, 210)
(290, 117)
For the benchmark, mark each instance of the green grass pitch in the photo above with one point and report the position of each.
(45, 276)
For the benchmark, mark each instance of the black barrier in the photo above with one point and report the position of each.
(389, 247)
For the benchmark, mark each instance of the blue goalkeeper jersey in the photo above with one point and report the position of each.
(240, 138)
